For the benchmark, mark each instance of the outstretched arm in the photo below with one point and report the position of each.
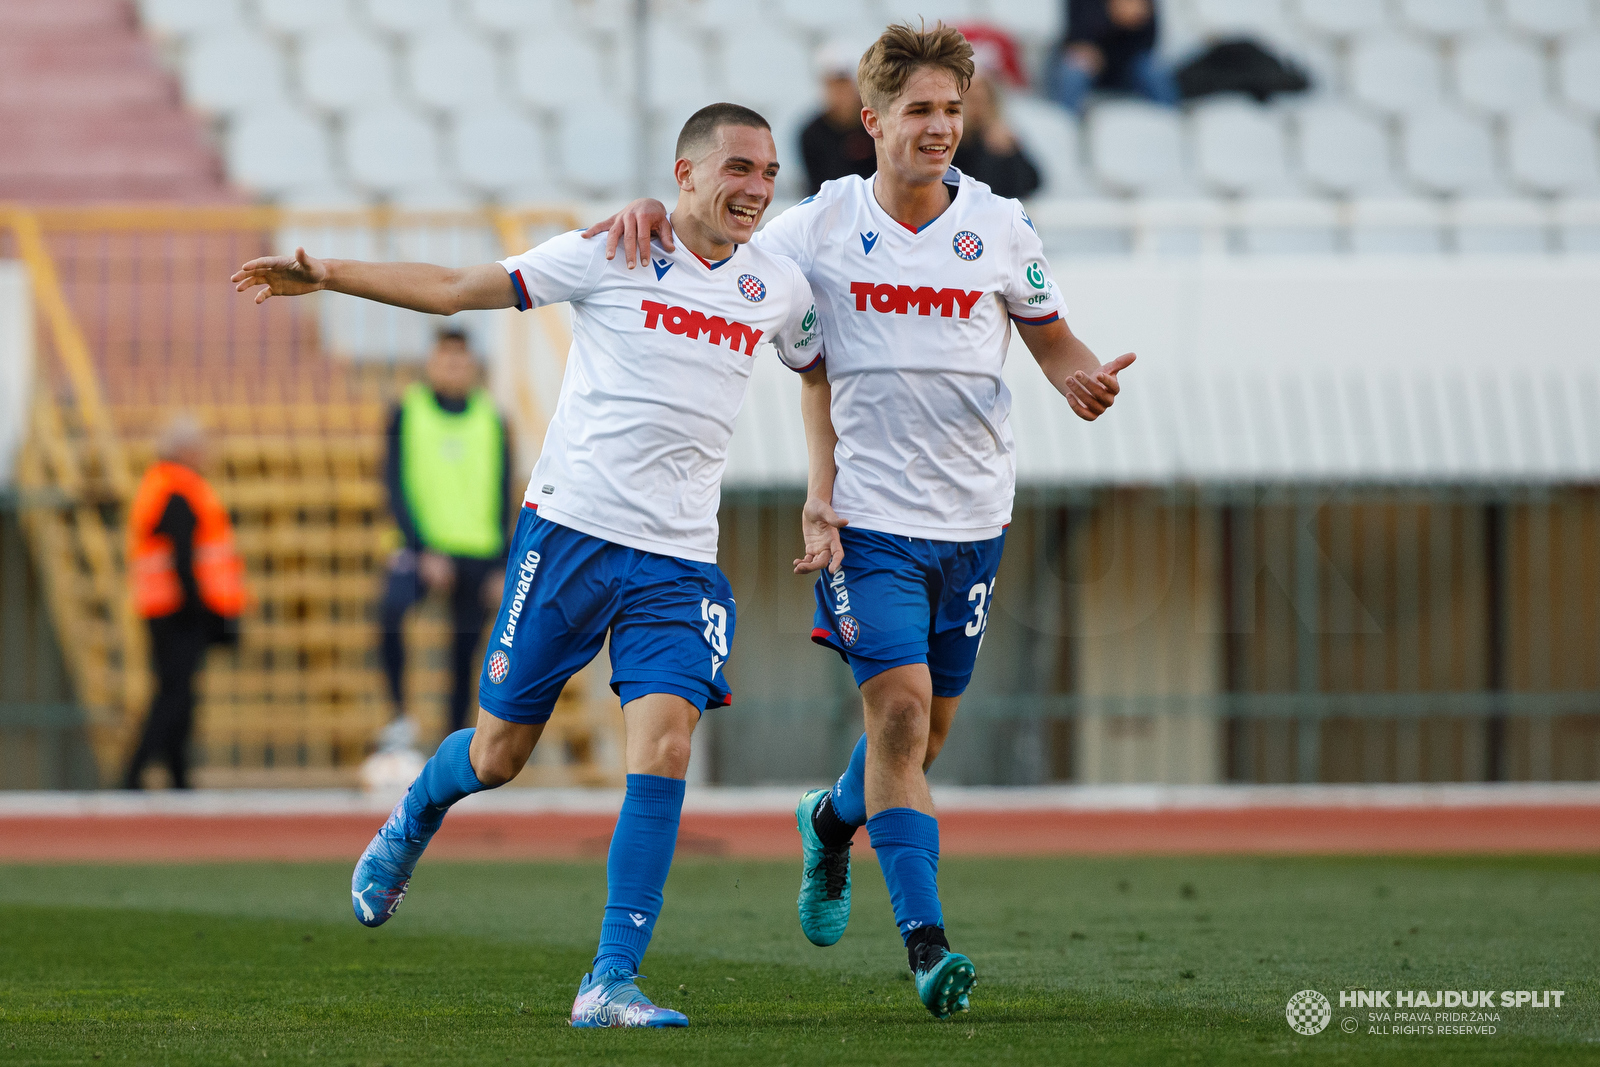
(1075, 372)
(818, 523)
(421, 287)
(633, 226)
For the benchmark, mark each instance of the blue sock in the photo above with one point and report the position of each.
(907, 843)
(636, 869)
(445, 779)
(850, 791)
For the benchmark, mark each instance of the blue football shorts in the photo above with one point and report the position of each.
(670, 620)
(899, 600)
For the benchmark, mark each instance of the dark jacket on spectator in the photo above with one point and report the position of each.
(830, 152)
(1013, 175)
(1087, 21)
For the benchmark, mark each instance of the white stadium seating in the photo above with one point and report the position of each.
(1239, 148)
(1343, 18)
(1450, 154)
(1137, 148)
(391, 147)
(1446, 18)
(1551, 152)
(275, 151)
(232, 69)
(1395, 73)
(452, 71)
(345, 69)
(1499, 74)
(1431, 124)
(1547, 18)
(1344, 152)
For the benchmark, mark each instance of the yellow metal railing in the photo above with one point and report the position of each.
(77, 468)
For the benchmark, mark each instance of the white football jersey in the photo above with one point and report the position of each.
(658, 367)
(916, 327)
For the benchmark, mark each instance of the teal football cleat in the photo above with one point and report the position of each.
(944, 979)
(384, 870)
(824, 879)
(611, 999)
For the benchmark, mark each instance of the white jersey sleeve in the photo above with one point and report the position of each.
(563, 268)
(1030, 290)
(799, 340)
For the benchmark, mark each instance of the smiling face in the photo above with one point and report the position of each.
(917, 132)
(728, 189)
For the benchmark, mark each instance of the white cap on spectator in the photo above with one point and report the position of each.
(838, 59)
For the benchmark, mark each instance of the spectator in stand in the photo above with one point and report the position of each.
(1110, 44)
(188, 583)
(989, 151)
(448, 474)
(835, 143)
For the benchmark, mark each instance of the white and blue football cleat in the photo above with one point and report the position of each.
(944, 979)
(384, 870)
(611, 999)
(824, 879)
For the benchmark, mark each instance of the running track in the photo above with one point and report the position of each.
(561, 824)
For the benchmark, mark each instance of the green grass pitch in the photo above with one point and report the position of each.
(1121, 961)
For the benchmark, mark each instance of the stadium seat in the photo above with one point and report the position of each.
(1265, 19)
(1394, 73)
(828, 16)
(295, 17)
(598, 147)
(560, 70)
(1552, 152)
(948, 11)
(1580, 72)
(345, 69)
(517, 16)
(1343, 152)
(183, 17)
(1500, 227)
(1343, 18)
(1547, 18)
(449, 70)
(1499, 74)
(1137, 148)
(402, 17)
(678, 70)
(273, 151)
(232, 69)
(1446, 18)
(498, 149)
(1447, 153)
(389, 147)
(778, 71)
(1239, 148)
(1050, 135)
(1034, 20)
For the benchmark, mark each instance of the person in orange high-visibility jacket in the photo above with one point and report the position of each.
(188, 583)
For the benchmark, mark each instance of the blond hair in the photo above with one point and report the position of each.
(902, 51)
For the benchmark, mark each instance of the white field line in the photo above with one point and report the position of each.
(776, 800)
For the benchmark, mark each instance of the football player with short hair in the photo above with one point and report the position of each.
(618, 531)
(919, 273)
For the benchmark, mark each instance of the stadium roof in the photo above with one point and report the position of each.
(1404, 370)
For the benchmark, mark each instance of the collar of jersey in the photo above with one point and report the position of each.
(708, 264)
(952, 178)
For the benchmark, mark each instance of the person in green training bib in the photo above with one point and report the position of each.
(448, 475)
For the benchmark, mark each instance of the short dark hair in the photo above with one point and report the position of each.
(703, 125)
(452, 335)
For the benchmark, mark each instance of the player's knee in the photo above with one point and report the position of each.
(902, 725)
(671, 756)
(497, 761)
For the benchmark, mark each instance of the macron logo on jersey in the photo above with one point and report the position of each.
(662, 266)
(868, 241)
(900, 299)
(692, 324)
